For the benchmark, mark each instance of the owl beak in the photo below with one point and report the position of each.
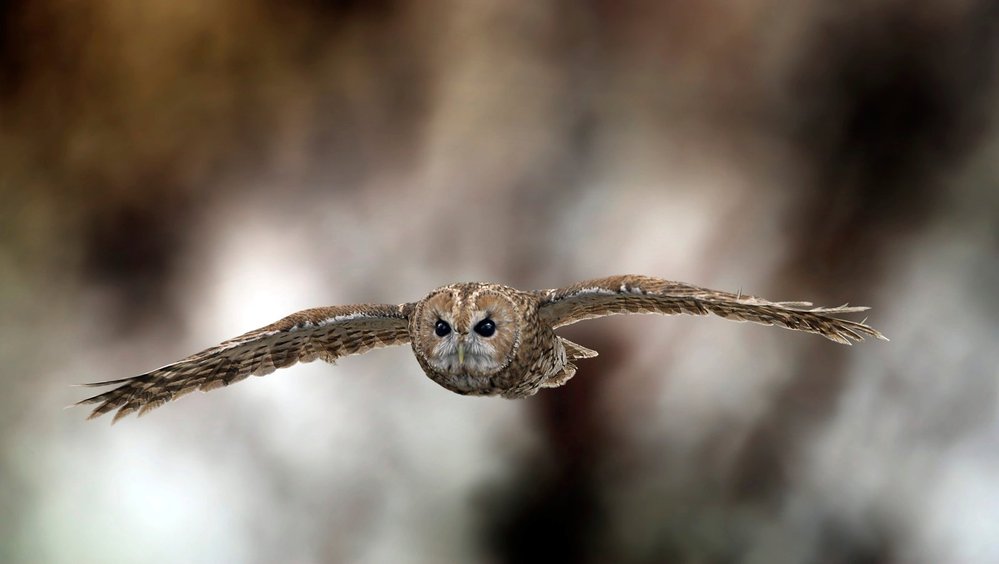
(461, 353)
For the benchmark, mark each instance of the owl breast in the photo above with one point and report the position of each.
(484, 339)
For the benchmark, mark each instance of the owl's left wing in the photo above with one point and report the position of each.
(327, 333)
(643, 294)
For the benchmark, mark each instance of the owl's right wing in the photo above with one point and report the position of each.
(644, 294)
(327, 333)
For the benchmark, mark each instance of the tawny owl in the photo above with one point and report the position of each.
(471, 338)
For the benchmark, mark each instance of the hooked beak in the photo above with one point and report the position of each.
(461, 353)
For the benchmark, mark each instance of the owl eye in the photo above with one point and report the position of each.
(441, 328)
(486, 327)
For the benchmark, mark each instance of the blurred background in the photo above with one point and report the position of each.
(173, 174)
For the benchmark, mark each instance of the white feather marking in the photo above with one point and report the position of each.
(596, 290)
(342, 318)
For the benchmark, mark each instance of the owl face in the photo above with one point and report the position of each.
(465, 334)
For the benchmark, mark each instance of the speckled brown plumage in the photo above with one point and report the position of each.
(643, 294)
(498, 340)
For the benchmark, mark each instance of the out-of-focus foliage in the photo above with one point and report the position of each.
(175, 173)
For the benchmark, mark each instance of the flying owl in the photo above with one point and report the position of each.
(471, 338)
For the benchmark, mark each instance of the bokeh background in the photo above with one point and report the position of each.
(176, 173)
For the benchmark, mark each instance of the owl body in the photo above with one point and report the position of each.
(512, 354)
(471, 338)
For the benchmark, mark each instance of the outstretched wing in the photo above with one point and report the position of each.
(327, 333)
(643, 294)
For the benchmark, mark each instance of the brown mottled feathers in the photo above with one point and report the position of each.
(327, 333)
(514, 354)
(643, 294)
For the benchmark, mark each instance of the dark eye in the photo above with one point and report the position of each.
(441, 328)
(486, 327)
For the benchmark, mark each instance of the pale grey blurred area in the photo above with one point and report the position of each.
(173, 174)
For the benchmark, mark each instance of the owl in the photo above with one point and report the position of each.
(471, 338)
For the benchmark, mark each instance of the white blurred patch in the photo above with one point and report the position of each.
(130, 496)
(962, 517)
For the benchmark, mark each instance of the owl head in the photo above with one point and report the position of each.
(465, 336)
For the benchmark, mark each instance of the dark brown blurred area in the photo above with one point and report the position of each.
(175, 173)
